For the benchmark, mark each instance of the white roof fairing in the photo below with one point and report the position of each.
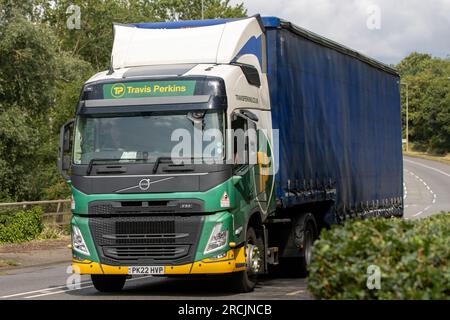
(209, 44)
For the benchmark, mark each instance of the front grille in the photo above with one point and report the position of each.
(155, 252)
(145, 227)
(136, 207)
(144, 240)
(101, 209)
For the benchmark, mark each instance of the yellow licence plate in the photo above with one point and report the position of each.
(153, 270)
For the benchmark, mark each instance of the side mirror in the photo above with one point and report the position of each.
(65, 146)
(66, 140)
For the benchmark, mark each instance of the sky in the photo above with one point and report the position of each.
(387, 30)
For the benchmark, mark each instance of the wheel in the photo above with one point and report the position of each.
(305, 235)
(308, 241)
(108, 283)
(245, 281)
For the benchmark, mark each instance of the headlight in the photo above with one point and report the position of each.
(78, 243)
(217, 240)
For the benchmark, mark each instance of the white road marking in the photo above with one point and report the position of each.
(428, 167)
(426, 186)
(45, 291)
(75, 289)
(295, 292)
(56, 292)
(405, 191)
(418, 214)
(35, 291)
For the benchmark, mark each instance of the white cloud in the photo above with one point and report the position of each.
(406, 25)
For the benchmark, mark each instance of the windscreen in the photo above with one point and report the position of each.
(146, 137)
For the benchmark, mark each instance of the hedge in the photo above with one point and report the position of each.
(413, 257)
(21, 226)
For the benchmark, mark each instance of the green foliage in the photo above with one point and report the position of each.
(9, 263)
(429, 101)
(27, 81)
(53, 232)
(413, 257)
(21, 226)
(192, 9)
(93, 41)
(18, 142)
(27, 64)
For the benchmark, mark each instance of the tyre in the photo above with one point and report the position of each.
(245, 281)
(306, 231)
(309, 238)
(108, 283)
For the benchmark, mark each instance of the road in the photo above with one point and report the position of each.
(427, 191)
(426, 187)
(49, 283)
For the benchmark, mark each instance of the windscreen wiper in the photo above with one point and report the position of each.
(95, 161)
(177, 167)
(158, 161)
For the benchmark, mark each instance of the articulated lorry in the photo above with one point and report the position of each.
(222, 147)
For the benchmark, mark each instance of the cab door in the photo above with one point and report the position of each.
(252, 159)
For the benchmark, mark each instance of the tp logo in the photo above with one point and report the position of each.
(118, 90)
(373, 277)
(374, 20)
(74, 20)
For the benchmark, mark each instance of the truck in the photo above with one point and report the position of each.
(220, 148)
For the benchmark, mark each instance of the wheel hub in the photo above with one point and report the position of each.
(253, 259)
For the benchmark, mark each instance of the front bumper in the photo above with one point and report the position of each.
(233, 261)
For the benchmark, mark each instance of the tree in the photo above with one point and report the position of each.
(429, 93)
(39, 87)
(28, 56)
(192, 9)
(414, 64)
(26, 95)
(93, 41)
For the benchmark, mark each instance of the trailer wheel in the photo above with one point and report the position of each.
(245, 281)
(108, 283)
(309, 237)
(305, 231)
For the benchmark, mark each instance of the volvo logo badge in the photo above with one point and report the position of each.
(144, 184)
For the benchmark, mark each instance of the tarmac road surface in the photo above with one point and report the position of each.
(426, 187)
(50, 283)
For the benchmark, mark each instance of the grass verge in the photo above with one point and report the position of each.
(443, 159)
(9, 263)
